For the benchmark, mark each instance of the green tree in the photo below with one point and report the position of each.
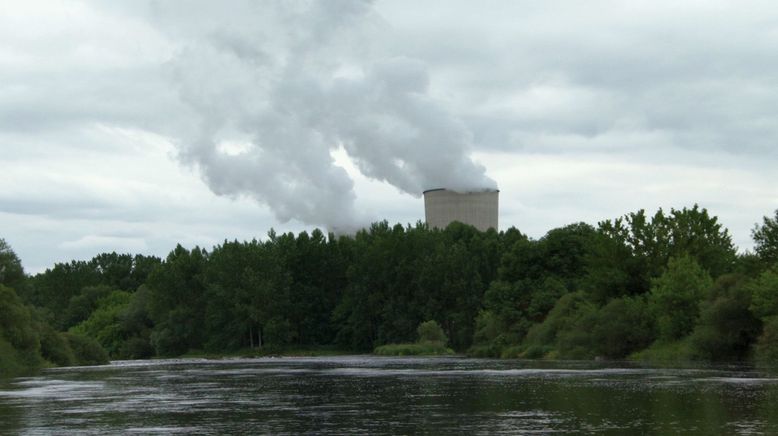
(430, 331)
(764, 294)
(623, 326)
(316, 277)
(177, 302)
(675, 297)
(53, 289)
(727, 328)
(637, 249)
(767, 344)
(83, 304)
(86, 350)
(766, 239)
(104, 323)
(11, 271)
(19, 336)
(567, 328)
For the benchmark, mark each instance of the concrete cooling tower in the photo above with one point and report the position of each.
(477, 208)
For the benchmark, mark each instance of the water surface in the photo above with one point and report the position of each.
(367, 394)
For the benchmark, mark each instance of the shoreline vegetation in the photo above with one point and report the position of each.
(317, 351)
(658, 289)
(431, 342)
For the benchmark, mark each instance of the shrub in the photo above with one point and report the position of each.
(764, 291)
(767, 345)
(623, 326)
(568, 327)
(665, 352)
(537, 351)
(726, 330)
(430, 331)
(10, 364)
(432, 341)
(513, 352)
(86, 350)
(55, 347)
(136, 348)
(675, 297)
(417, 349)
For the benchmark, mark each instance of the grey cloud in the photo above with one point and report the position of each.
(257, 95)
(701, 72)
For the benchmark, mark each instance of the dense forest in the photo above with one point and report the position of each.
(667, 286)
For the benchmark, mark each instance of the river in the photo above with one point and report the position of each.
(380, 395)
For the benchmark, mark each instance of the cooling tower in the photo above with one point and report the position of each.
(478, 208)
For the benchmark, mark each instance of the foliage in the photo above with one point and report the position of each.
(639, 286)
(567, 327)
(635, 249)
(55, 347)
(767, 345)
(727, 328)
(11, 271)
(177, 302)
(83, 304)
(400, 276)
(430, 331)
(675, 297)
(672, 352)
(764, 294)
(417, 349)
(54, 289)
(19, 336)
(766, 239)
(623, 326)
(103, 324)
(86, 351)
(431, 341)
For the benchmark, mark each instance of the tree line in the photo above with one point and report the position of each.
(665, 286)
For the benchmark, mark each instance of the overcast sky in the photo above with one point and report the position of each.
(131, 126)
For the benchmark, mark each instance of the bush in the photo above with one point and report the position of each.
(432, 341)
(675, 297)
(86, 350)
(103, 324)
(726, 330)
(136, 348)
(764, 291)
(513, 352)
(430, 331)
(55, 348)
(169, 337)
(568, 327)
(417, 349)
(537, 351)
(19, 336)
(623, 326)
(767, 345)
(485, 350)
(665, 352)
(10, 363)
(567, 309)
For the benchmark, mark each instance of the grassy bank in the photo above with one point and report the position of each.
(271, 351)
(415, 349)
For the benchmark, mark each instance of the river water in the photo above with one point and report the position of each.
(380, 395)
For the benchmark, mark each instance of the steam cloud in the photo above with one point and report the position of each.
(287, 83)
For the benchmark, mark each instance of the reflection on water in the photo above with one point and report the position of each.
(365, 394)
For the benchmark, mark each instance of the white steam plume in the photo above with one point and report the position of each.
(288, 82)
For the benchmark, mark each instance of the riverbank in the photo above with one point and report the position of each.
(415, 349)
(271, 352)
